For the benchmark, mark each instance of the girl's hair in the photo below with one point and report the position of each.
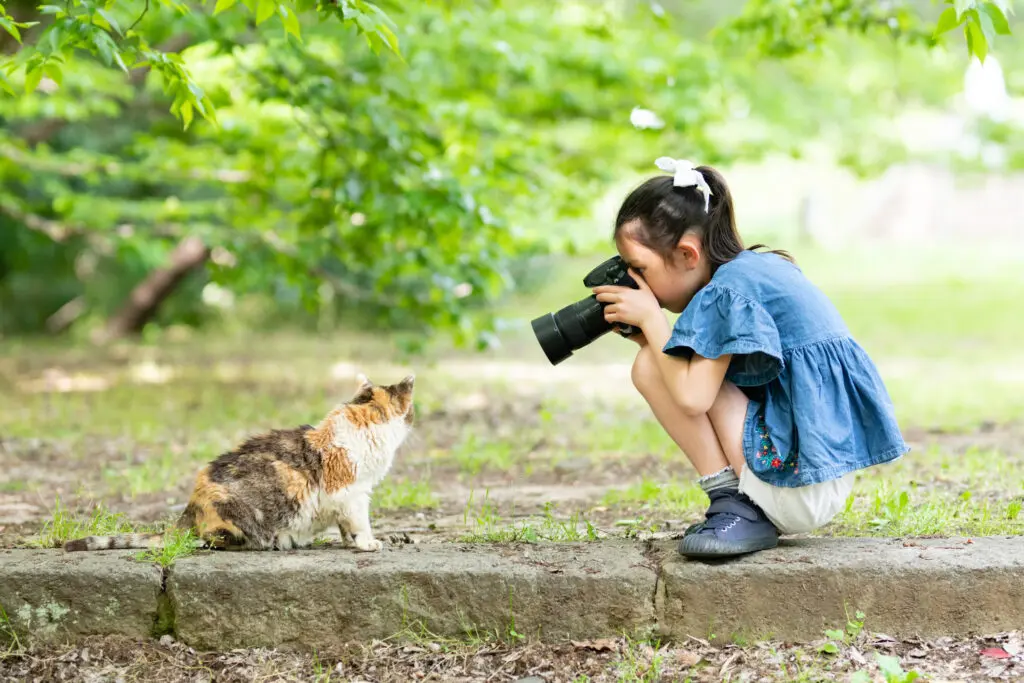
(667, 212)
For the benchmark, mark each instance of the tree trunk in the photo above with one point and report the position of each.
(147, 296)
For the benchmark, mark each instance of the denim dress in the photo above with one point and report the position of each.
(818, 407)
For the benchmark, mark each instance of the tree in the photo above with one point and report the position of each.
(338, 159)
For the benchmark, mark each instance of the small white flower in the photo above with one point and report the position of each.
(645, 118)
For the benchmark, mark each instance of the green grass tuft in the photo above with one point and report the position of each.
(63, 526)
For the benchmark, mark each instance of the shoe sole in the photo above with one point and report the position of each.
(713, 548)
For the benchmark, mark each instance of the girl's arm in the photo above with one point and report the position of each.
(692, 382)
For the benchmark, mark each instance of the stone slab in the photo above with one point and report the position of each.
(51, 596)
(316, 598)
(905, 588)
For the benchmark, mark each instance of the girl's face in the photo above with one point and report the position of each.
(673, 282)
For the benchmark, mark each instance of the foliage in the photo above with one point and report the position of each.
(399, 172)
(786, 27)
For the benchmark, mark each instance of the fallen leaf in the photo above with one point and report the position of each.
(687, 658)
(969, 541)
(856, 656)
(599, 645)
(1014, 646)
(917, 652)
(996, 652)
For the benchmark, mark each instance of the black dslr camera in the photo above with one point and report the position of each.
(578, 324)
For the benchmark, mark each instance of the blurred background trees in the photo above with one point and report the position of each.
(406, 165)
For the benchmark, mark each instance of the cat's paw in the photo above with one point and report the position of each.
(368, 544)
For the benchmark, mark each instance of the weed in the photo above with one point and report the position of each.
(639, 662)
(322, 674)
(488, 526)
(7, 633)
(177, 543)
(63, 526)
(890, 668)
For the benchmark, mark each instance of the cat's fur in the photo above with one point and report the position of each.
(280, 489)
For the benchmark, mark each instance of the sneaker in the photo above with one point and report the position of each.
(734, 525)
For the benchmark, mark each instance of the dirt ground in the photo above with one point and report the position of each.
(997, 657)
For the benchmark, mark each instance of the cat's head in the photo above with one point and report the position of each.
(385, 401)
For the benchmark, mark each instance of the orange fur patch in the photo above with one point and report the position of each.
(322, 437)
(339, 470)
(204, 495)
(296, 485)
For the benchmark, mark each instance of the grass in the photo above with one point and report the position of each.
(485, 525)
(63, 525)
(147, 415)
(405, 495)
(672, 496)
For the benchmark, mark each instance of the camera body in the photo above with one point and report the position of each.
(571, 328)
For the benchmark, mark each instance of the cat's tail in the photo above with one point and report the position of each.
(118, 542)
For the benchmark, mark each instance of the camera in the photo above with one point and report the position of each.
(578, 324)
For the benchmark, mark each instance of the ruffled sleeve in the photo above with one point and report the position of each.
(721, 321)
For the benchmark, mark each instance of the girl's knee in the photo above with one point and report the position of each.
(645, 374)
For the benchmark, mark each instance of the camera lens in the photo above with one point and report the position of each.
(570, 329)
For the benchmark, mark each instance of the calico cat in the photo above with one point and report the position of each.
(280, 489)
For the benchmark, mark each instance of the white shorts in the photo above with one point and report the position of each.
(801, 509)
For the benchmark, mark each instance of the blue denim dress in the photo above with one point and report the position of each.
(818, 406)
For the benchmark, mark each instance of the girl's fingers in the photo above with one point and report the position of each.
(608, 296)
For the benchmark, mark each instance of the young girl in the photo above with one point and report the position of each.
(758, 382)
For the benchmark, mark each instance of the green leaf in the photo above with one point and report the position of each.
(10, 27)
(223, 6)
(976, 43)
(110, 20)
(962, 6)
(33, 75)
(985, 22)
(829, 647)
(889, 665)
(186, 114)
(52, 70)
(6, 86)
(834, 634)
(998, 19)
(290, 21)
(51, 9)
(104, 45)
(264, 10)
(947, 22)
(54, 38)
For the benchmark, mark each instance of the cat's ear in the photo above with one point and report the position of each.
(407, 384)
(362, 384)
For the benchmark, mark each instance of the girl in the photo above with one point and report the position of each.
(758, 382)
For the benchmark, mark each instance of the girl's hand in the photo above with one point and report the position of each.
(627, 305)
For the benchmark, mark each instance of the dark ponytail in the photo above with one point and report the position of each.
(668, 212)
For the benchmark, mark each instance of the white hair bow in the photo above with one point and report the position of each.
(686, 175)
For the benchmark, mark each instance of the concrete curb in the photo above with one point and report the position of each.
(552, 592)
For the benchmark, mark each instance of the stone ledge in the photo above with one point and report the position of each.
(52, 596)
(906, 588)
(553, 592)
(309, 599)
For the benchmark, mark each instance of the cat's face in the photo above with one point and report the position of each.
(389, 401)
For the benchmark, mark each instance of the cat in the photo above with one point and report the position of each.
(280, 489)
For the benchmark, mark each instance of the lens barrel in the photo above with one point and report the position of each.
(570, 328)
